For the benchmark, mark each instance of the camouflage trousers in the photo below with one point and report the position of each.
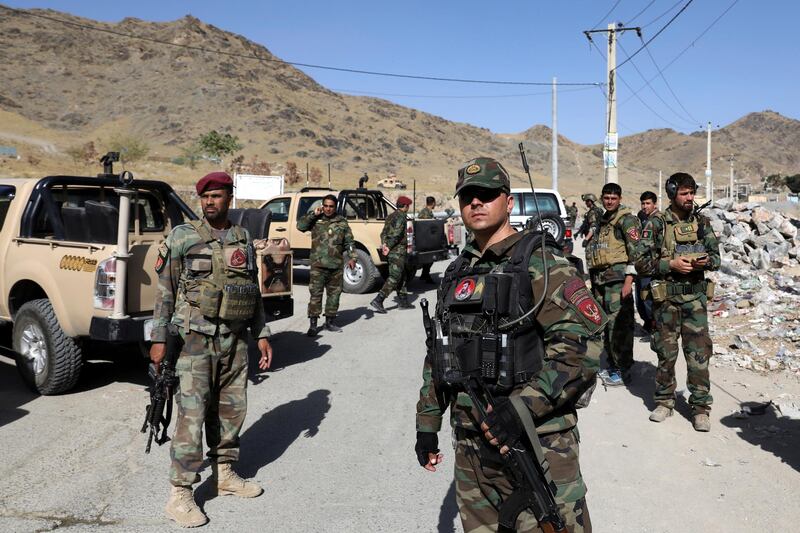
(212, 370)
(482, 485)
(689, 321)
(397, 275)
(331, 281)
(618, 335)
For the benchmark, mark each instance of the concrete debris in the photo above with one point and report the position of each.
(756, 308)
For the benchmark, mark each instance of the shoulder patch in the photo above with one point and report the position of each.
(633, 233)
(163, 254)
(647, 233)
(576, 293)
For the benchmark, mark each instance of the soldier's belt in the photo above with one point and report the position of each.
(683, 289)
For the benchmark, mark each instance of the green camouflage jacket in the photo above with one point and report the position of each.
(571, 322)
(171, 304)
(394, 233)
(652, 257)
(330, 237)
(424, 213)
(628, 228)
(591, 220)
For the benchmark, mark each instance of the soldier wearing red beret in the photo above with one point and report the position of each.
(393, 246)
(208, 295)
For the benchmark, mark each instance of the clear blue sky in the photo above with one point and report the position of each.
(747, 62)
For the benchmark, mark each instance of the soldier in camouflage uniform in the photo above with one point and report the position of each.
(330, 237)
(207, 289)
(609, 256)
(678, 246)
(394, 241)
(566, 334)
(572, 212)
(592, 217)
(426, 213)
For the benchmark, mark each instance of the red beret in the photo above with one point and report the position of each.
(215, 180)
(403, 200)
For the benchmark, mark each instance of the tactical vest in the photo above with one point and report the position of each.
(608, 248)
(222, 284)
(475, 309)
(683, 239)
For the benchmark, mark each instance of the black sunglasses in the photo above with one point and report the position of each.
(481, 193)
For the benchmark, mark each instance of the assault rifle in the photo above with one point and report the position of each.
(525, 463)
(162, 391)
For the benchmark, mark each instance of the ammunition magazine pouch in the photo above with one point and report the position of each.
(662, 290)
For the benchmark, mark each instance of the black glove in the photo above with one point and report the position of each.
(426, 443)
(504, 422)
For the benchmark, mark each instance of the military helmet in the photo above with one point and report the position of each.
(589, 196)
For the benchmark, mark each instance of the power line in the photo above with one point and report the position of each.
(691, 44)
(654, 90)
(662, 15)
(293, 63)
(661, 73)
(604, 17)
(492, 96)
(636, 16)
(650, 40)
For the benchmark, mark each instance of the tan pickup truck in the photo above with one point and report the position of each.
(366, 211)
(61, 270)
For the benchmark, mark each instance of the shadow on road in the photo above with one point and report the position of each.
(772, 432)
(288, 348)
(448, 511)
(643, 383)
(109, 363)
(347, 317)
(269, 437)
(14, 392)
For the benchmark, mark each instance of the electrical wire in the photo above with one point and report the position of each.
(491, 96)
(275, 60)
(604, 17)
(664, 79)
(691, 44)
(650, 40)
(662, 15)
(688, 121)
(637, 15)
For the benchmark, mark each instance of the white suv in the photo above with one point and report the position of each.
(552, 209)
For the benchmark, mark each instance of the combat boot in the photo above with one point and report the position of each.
(228, 482)
(182, 508)
(377, 304)
(403, 303)
(660, 413)
(701, 422)
(330, 325)
(312, 327)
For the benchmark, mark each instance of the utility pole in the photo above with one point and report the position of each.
(733, 196)
(554, 156)
(659, 190)
(610, 161)
(709, 192)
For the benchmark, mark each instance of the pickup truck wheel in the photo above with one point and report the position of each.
(553, 224)
(49, 361)
(362, 278)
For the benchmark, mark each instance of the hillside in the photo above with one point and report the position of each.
(65, 85)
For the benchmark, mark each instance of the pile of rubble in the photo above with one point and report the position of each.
(756, 308)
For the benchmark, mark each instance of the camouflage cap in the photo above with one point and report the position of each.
(589, 196)
(483, 172)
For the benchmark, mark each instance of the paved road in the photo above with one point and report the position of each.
(330, 434)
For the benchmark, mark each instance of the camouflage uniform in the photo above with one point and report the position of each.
(610, 258)
(570, 323)
(212, 367)
(425, 214)
(680, 310)
(394, 236)
(572, 212)
(591, 220)
(330, 237)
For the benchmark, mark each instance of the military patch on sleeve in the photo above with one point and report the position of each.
(163, 254)
(633, 233)
(576, 293)
(647, 233)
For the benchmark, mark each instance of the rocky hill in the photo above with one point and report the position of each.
(65, 84)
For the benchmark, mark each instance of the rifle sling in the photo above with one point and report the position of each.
(533, 437)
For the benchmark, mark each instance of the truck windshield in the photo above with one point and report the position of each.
(279, 208)
(306, 204)
(7, 193)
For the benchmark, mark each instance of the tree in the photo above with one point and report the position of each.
(793, 182)
(192, 154)
(83, 154)
(130, 147)
(292, 175)
(218, 145)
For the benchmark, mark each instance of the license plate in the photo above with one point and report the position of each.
(148, 329)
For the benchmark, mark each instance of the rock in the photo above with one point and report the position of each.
(772, 364)
(776, 221)
(759, 214)
(729, 216)
(759, 258)
(743, 304)
(733, 244)
(762, 228)
(740, 231)
(787, 229)
(718, 226)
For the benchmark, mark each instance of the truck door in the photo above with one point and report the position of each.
(279, 225)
